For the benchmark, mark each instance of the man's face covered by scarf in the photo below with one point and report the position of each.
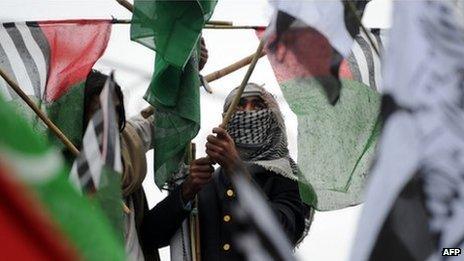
(250, 128)
(256, 129)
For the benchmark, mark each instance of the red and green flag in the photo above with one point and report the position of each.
(335, 24)
(173, 30)
(335, 142)
(50, 61)
(28, 233)
(31, 161)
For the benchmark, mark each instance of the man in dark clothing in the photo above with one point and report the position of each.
(254, 143)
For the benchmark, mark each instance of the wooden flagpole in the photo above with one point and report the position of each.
(235, 101)
(147, 112)
(231, 68)
(217, 22)
(194, 222)
(253, 27)
(130, 7)
(58, 133)
(126, 5)
(209, 25)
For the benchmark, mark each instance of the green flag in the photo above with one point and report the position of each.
(336, 143)
(172, 29)
(41, 168)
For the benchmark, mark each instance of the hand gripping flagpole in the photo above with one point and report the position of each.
(58, 133)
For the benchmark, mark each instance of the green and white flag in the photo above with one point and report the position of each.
(42, 169)
(173, 30)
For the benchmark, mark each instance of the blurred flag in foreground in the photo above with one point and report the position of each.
(257, 233)
(28, 157)
(28, 233)
(415, 199)
(173, 29)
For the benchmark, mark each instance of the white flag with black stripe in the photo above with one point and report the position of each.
(101, 144)
(24, 56)
(364, 64)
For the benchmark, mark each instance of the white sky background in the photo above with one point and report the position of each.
(332, 232)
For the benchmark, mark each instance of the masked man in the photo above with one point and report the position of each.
(254, 142)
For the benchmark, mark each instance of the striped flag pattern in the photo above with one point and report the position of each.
(24, 55)
(363, 64)
(47, 58)
(101, 145)
(50, 61)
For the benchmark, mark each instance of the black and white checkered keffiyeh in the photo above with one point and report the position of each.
(251, 127)
(260, 135)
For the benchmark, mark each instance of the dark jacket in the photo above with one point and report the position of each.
(216, 219)
(157, 226)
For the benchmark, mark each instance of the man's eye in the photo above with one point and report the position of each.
(259, 105)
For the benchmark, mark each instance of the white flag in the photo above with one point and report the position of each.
(423, 136)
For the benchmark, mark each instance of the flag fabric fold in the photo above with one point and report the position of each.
(335, 143)
(172, 29)
(421, 151)
(41, 168)
(336, 26)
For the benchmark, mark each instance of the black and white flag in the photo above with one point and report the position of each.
(24, 56)
(415, 200)
(364, 65)
(101, 144)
